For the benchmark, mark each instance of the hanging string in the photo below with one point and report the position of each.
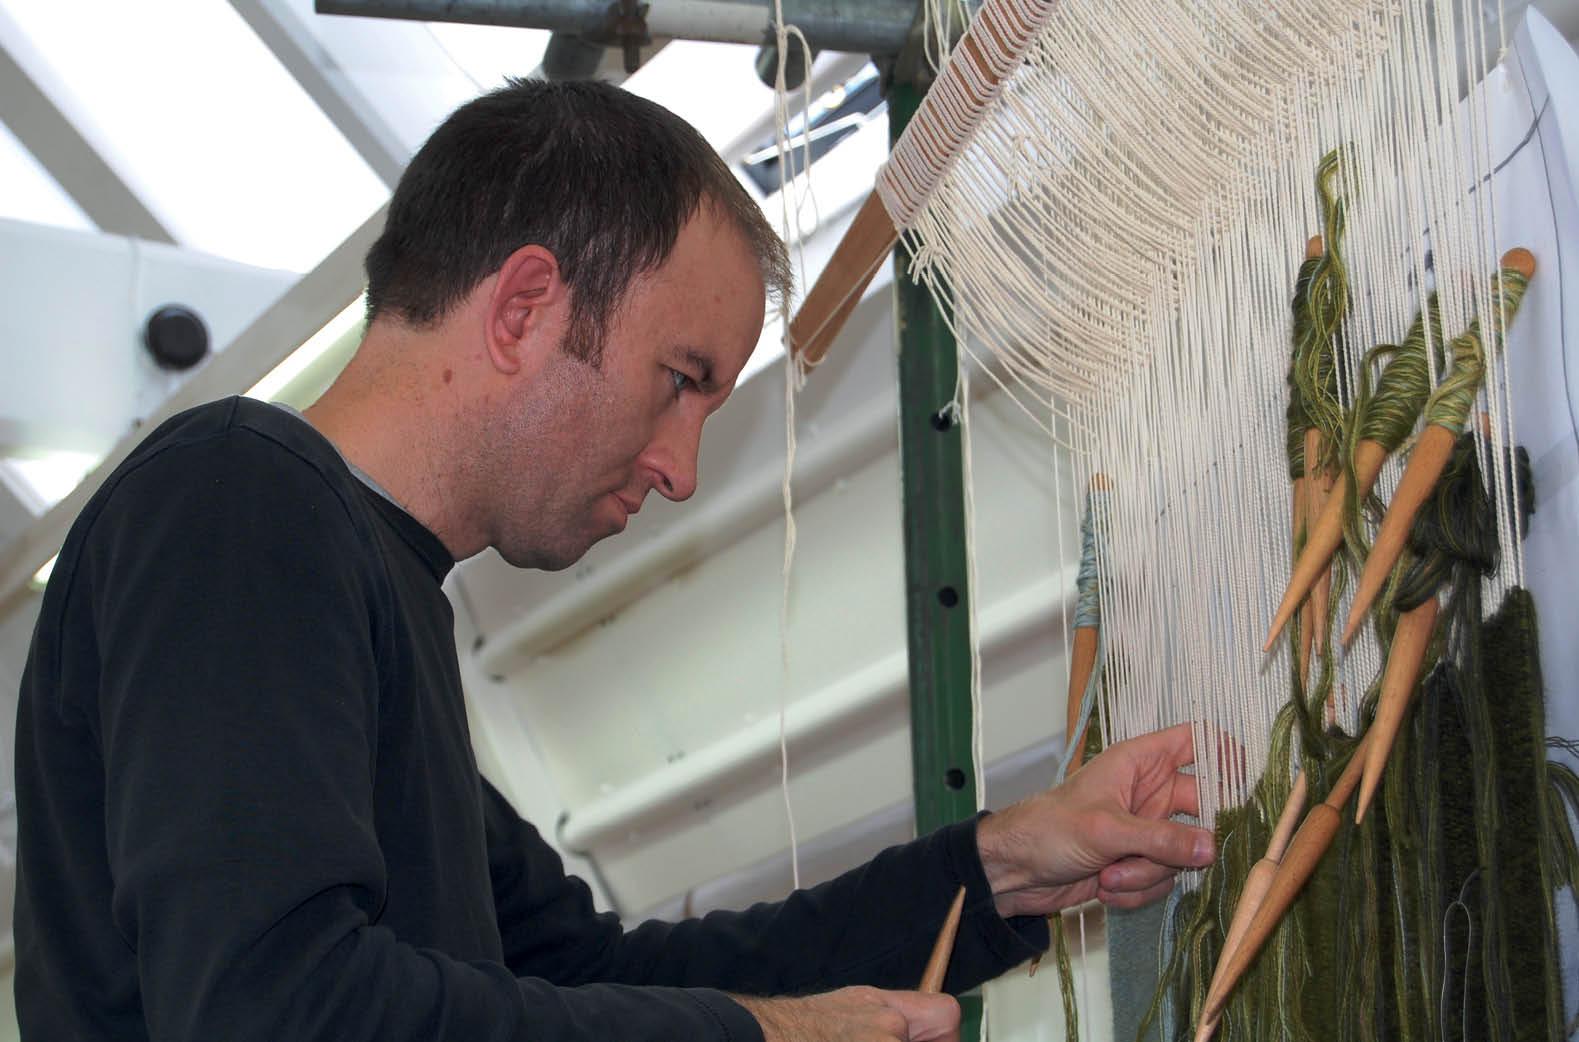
(794, 377)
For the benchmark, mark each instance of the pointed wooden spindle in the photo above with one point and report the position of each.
(1254, 892)
(1307, 630)
(1400, 679)
(1299, 863)
(1426, 464)
(1318, 484)
(1082, 663)
(1324, 537)
(943, 947)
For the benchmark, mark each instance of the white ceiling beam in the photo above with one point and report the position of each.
(61, 149)
(301, 311)
(328, 83)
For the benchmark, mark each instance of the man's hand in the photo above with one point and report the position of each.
(1103, 834)
(857, 1015)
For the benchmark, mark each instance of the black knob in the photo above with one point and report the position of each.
(176, 336)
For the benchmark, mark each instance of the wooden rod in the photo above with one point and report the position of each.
(1426, 463)
(1318, 492)
(1326, 534)
(873, 232)
(838, 289)
(1254, 893)
(1400, 679)
(943, 947)
(1298, 864)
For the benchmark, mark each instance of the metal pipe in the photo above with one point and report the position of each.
(571, 57)
(860, 26)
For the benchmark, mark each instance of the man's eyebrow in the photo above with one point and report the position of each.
(703, 365)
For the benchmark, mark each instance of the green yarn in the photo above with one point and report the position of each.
(1387, 414)
(1560, 857)
(1510, 662)
(1433, 920)
(1451, 401)
(1298, 418)
(1066, 978)
(1315, 369)
(1455, 529)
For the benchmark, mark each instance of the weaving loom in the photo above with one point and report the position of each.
(1115, 203)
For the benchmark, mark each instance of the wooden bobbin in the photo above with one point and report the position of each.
(1301, 513)
(1426, 463)
(1299, 863)
(1307, 631)
(943, 948)
(1082, 663)
(1310, 494)
(1326, 535)
(1318, 489)
(1254, 893)
(1401, 678)
(873, 233)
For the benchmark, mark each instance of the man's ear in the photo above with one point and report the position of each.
(522, 309)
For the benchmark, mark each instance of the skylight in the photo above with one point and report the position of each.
(712, 86)
(30, 193)
(834, 116)
(205, 126)
(49, 477)
(489, 53)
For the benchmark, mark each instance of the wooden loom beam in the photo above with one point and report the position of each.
(872, 234)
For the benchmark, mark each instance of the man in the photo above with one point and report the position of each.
(247, 800)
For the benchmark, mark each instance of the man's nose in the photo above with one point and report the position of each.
(671, 458)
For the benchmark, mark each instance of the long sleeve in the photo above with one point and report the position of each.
(232, 703)
(873, 925)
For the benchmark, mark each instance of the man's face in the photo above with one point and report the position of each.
(590, 443)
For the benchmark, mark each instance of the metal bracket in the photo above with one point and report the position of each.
(910, 66)
(625, 28)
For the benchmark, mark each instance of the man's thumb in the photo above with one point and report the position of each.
(930, 1017)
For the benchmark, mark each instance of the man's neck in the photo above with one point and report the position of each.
(403, 432)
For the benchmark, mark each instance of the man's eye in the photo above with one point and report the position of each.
(681, 381)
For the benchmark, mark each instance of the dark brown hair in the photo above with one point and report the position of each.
(600, 177)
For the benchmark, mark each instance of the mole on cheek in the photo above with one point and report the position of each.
(448, 375)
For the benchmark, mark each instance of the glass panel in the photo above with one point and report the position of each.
(713, 86)
(30, 193)
(489, 53)
(204, 125)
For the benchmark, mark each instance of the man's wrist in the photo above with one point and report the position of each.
(995, 846)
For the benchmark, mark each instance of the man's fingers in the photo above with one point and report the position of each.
(1168, 842)
(931, 1018)
(1176, 744)
(856, 1014)
(1135, 899)
(1133, 874)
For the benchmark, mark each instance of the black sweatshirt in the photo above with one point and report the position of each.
(249, 809)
